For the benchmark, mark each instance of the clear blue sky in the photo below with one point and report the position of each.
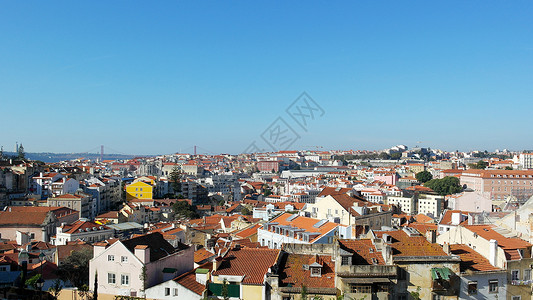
(158, 77)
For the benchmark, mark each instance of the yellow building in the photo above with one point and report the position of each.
(139, 190)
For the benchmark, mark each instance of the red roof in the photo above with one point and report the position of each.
(252, 263)
(366, 253)
(470, 259)
(405, 245)
(294, 274)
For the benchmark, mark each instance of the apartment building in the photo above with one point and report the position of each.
(498, 184)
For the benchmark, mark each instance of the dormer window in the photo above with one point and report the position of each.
(345, 260)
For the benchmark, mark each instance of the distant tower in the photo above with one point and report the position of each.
(101, 153)
(16, 147)
(194, 150)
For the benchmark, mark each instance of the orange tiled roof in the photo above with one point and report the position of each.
(188, 280)
(201, 255)
(404, 245)
(252, 263)
(294, 274)
(487, 232)
(248, 231)
(333, 191)
(304, 223)
(364, 251)
(470, 259)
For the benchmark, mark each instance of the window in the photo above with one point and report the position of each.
(3, 268)
(493, 286)
(515, 274)
(110, 258)
(472, 288)
(111, 278)
(527, 274)
(124, 259)
(125, 279)
(517, 298)
(167, 291)
(316, 272)
(345, 261)
(175, 292)
(354, 288)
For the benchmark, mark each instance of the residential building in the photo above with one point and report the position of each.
(526, 160)
(82, 230)
(268, 166)
(498, 184)
(346, 210)
(79, 201)
(191, 285)
(38, 225)
(470, 201)
(479, 279)
(120, 265)
(139, 190)
(423, 267)
(292, 228)
(487, 241)
(245, 270)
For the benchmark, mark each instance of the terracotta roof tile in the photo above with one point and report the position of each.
(293, 273)
(405, 245)
(470, 259)
(188, 280)
(252, 263)
(364, 251)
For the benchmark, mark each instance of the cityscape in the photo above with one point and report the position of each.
(397, 223)
(276, 150)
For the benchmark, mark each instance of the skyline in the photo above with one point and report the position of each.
(154, 79)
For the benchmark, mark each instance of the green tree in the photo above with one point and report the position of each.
(175, 180)
(416, 295)
(225, 290)
(245, 211)
(95, 290)
(384, 155)
(83, 291)
(445, 186)
(75, 268)
(143, 277)
(479, 165)
(56, 288)
(182, 209)
(423, 176)
(303, 293)
(396, 155)
(508, 168)
(33, 281)
(21, 154)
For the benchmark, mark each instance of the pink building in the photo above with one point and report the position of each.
(389, 177)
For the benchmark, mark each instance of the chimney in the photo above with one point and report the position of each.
(386, 252)
(216, 263)
(202, 276)
(493, 252)
(431, 236)
(446, 248)
(143, 253)
(456, 218)
(98, 248)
